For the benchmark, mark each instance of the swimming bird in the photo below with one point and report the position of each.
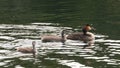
(54, 38)
(28, 49)
(84, 36)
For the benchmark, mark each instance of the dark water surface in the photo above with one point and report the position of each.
(24, 21)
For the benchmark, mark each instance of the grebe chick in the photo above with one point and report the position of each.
(28, 49)
(54, 38)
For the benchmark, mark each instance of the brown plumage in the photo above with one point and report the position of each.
(88, 38)
(81, 36)
(84, 36)
(27, 49)
(51, 38)
(54, 38)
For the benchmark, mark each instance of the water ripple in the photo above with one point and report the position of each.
(105, 51)
(73, 64)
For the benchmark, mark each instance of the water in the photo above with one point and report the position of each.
(22, 22)
(104, 53)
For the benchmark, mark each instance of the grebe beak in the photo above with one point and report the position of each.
(93, 28)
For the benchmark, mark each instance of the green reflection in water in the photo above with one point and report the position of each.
(63, 11)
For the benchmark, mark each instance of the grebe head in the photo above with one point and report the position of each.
(88, 26)
(33, 43)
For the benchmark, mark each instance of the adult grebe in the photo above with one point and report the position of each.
(84, 36)
(54, 38)
(28, 49)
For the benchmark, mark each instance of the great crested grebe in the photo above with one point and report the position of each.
(84, 36)
(28, 49)
(54, 38)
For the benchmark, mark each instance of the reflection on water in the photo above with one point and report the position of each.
(104, 54)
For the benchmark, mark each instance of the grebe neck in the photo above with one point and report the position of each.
(34, 49)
